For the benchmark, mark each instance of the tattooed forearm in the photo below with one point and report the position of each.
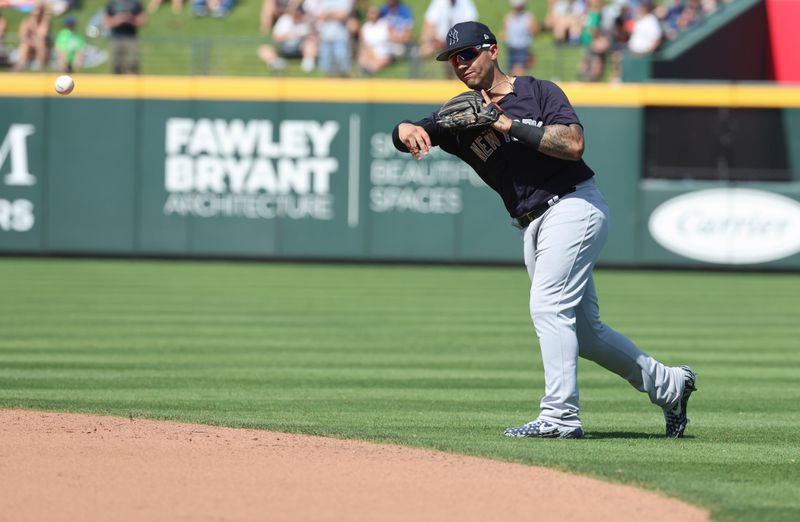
(562, 141)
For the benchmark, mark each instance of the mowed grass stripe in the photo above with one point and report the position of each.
(439, 357)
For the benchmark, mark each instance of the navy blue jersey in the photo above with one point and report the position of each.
(525, 178)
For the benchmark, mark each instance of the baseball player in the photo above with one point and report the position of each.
(524, 140)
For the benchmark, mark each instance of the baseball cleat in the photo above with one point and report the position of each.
(546, 430)
(676, 417)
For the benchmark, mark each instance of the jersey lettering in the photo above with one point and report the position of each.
(528, 121)
(524, 177)
(485, 144)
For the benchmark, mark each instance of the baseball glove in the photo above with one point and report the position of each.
(466, 111)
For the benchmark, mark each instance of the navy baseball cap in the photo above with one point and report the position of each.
(465, 35)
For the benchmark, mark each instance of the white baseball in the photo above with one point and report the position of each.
(64, 84)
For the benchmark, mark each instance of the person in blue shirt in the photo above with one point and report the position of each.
(401, 24)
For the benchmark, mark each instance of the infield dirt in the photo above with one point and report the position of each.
(66, 467)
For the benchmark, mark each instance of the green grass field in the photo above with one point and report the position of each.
(181, 44)
(437, 357)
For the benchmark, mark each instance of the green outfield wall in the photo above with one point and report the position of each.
(287, 169)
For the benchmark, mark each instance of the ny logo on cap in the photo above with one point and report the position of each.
(452, 37)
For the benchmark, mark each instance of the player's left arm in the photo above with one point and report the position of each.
(560, 140)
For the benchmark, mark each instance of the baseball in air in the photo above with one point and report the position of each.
(64, 84)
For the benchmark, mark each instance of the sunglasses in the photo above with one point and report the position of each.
(468, 54)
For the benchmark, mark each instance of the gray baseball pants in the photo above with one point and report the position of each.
(561, 248)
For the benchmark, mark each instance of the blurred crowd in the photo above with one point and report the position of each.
(608, 30)
(332, 34)
(340, 37)
(41, 46)
(329, 33)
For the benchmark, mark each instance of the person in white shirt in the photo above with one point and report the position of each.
(519, 28)
(374, 50)
(294, 35)
(646, 34)
(331, 18)
(440, 16)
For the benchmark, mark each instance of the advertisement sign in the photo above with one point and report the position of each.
(16, 214)
(22, 175)
(254, 169)
(728, 225)
(279, 178)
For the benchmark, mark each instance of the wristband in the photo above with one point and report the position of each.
(527, 134)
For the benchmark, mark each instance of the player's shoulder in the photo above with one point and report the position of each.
(531, 84)
(537, 87)
(530, 80)
(538, 82)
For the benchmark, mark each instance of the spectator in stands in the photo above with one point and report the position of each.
(619, 33)
(440, 16)
(374, 49)
(217, 8)
(34, 40)
(357, 15)
(271, 10)
(596, 42)
(334, 36)
(177, 6)
(3, 51)
(690, 16)
(294, 35)
(401, 22)
(709, 6)
(519, 28)
(668, 14)
(646, 35)
(124, 18)
(611, 11)
(609, 40)
(69, 46)
(592, 21)
(565, 20)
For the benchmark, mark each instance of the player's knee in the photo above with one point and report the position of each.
(589, 325)
(543, 313)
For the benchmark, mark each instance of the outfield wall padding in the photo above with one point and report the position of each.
(170, 171)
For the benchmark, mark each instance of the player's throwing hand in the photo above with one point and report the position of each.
(416, 139)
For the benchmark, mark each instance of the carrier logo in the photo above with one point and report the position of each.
(16, 214)
(729, 226)
(252, 169)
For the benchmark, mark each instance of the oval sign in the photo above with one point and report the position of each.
(731, 226)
